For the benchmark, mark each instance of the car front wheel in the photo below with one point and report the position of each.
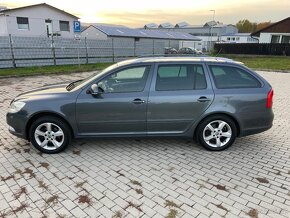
(217, 133)
(49, 134)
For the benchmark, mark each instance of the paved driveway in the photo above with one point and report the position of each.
(147, 177)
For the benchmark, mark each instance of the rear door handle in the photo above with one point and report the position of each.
(138, 101)
(203, 99)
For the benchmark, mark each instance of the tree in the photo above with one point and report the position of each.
(263, 25)
(245, 26)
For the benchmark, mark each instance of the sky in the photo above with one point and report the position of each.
(137, 13)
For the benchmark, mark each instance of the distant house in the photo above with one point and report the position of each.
(165, 25)
(276, 33)
(103, 32)
(36, 20)
(181, 24)
(150, 25)
(209, 33)
(238, 38)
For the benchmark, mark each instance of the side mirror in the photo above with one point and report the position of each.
(94, 90)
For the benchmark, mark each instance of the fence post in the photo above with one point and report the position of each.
(135, 47)
(79, 40)
(12, 51)
(153, 48)
(53, 50)
(87, 55)
(113, 51)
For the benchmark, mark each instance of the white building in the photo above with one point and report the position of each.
(276, 33)
(36, 20)
(238, 38)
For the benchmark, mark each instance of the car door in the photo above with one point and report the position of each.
(120, 108)
(179, 94)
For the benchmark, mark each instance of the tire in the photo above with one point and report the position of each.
(49, 134)
(217, 132)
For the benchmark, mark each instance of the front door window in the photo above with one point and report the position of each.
(128, 80)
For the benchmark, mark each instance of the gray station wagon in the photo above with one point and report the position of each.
(213, 100)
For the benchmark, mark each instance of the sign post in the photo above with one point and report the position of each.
(77, 29)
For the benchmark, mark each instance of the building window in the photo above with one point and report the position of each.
(64, 26)
(48, 24)
(229, 39)
(22, 23)
(285, 39)
(275, 39)
(237, 38)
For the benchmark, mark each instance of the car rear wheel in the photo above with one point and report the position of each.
(49, 134)
(217, 133)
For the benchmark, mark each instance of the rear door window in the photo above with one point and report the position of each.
(228, 77)
(180, 77)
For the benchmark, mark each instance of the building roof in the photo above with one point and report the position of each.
(282, 26)
(151, 25)
(3, 8)
(166, 25)
(237, 34)
(185, 25)
(181, 24)
(144, 33)
(37, 5)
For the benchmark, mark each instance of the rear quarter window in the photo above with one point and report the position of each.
(228, 77)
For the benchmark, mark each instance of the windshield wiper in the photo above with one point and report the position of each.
(72, 84)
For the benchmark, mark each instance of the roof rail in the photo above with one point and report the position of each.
(172, 55)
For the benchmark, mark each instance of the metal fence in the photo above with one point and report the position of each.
(38, 51)
(253, 48)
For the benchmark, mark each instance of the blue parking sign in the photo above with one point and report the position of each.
(77, 26)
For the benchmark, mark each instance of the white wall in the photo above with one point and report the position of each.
(266, 37)
(3, 26)
(93, 33)
(238, 39)
(36, 18)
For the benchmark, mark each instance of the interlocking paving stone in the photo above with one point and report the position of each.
(134, 178)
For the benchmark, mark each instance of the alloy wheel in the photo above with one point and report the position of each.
(217, 133)
(49, 136)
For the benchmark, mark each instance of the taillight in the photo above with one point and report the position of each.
(270, 99)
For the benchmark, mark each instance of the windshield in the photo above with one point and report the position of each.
(77, 83)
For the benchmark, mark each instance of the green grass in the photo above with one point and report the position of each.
(27, 71)
(281, 63)
(263, 62)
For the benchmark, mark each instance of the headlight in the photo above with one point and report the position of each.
(16, 106)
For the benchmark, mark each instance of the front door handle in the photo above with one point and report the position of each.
(203, 99)
(138, 101)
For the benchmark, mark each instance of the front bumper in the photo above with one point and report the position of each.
(17, 124)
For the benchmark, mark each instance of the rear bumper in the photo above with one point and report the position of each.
(254, 131)
(256, 122)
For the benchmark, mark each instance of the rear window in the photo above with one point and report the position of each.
(227, 77)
